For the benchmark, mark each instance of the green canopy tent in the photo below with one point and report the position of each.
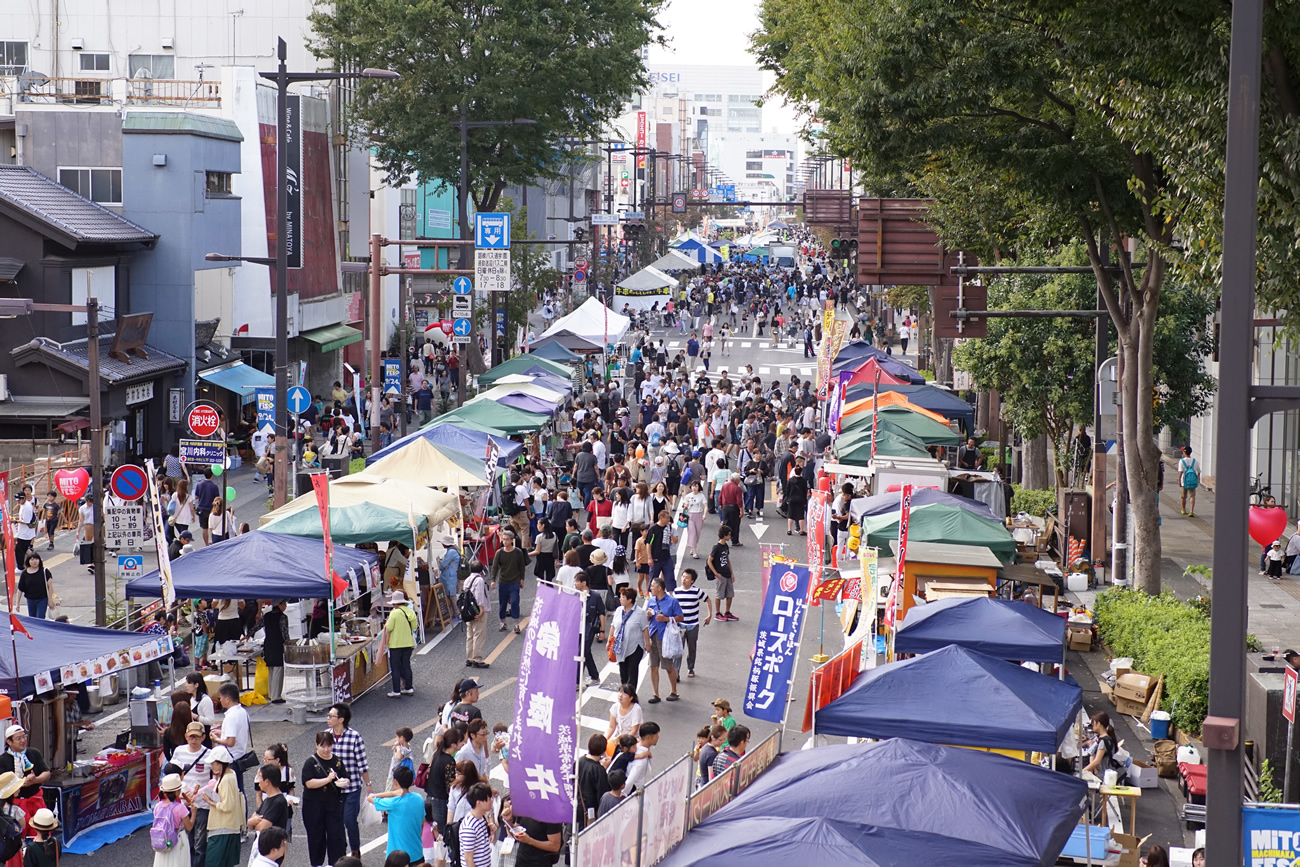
(523, 364)
(941, 522)
(498, 416)
(924, 428)
(890, 443)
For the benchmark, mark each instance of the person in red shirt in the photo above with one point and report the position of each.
(599, 507)
(731, 499)
(453, 369)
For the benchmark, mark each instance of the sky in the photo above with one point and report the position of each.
(717, 32)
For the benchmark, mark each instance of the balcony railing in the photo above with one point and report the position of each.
(106, 91)
(160, 91)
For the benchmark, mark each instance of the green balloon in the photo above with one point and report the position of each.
(230, 493)
(218, 469)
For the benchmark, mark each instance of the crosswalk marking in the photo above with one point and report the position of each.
(765, 370)
(784, 370)
(674, 344)
(746, 344)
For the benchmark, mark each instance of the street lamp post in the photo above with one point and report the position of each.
(283, 78)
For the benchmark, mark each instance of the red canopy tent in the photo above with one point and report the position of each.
(867, 374)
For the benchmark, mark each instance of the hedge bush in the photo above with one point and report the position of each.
(1037, 503)
(1164, 636)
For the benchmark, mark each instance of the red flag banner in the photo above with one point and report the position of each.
(320, 483)
(15, 627)
(818, 503)
(896, 586)
(828, 590)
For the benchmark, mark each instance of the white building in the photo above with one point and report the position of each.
(761, 164)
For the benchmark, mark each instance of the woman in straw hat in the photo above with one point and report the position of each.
(171, 800)
(13, 817)
(43, 851)
(225, 811)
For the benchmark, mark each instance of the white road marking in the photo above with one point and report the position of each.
(437, 639)
(595, 722)
(674, 344)
(765, 370)
(745, 344)
(784, 371)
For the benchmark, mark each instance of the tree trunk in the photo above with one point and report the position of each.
(1037, 474)
(943, 360)
(1140, 451)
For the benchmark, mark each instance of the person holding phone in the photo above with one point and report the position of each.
(323, 780)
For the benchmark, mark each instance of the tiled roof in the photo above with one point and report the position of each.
(65, 215)
(111, 370)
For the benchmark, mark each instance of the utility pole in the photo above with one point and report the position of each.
(96, 458)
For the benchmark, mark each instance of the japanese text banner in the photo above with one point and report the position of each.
(545, 725)
(775, 650)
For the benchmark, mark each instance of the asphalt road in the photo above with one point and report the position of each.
(722, 666)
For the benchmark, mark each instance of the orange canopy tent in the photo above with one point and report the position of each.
(867, 374)
(892, 399)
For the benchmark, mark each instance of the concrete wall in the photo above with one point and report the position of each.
(86, 136)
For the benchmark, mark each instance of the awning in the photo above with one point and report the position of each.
(36, 407)
(239, 378)
(332, 337)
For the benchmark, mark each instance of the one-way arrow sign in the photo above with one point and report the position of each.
(759, 530)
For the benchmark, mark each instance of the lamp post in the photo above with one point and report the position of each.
(283, 78)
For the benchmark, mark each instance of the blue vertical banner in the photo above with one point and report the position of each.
(777, 644)
(1271, 836)
(265, 408)
(501, 323)
(392, 376)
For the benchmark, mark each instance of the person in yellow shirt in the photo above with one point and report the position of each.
(225, 810)
(399, 630)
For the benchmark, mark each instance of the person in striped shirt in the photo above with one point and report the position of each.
(690, 597)
(477, 828)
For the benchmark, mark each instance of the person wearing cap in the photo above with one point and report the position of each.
(44, 849)
(225, 803)
(195, 771)
(466, 711)
(399, 634)
(173, 799)
(181, 545)
(30, 766)
(17, 819)
(275, 625)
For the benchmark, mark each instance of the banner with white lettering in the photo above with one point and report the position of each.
(772, 669)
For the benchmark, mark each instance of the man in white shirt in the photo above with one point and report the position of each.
(598, 449)
(235, 734)
(639, 771)
(24, 526)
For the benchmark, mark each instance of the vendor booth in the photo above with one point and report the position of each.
(646, 289)
(960, 697)
(890, 501)
(592, 321)
(526, 364)
(495, 416)
(569, 340)
(930, 397)
(463, 439)
(424, 463)
(674, 261)
(555, 351)
(858, 352)
(364, 508)
(940, 523)
(897, 802)
(996, 627)
(937, 570)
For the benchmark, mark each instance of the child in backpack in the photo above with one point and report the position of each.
(173, 818)
(1189, 479)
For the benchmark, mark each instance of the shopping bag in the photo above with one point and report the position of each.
(369, 815)
(262, 679)
(674, 645)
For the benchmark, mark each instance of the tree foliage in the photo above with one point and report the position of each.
(570, 65)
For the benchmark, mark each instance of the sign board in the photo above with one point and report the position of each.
(641, 124)
(679, 203)
(632, 215)
(293, 128)
(392, 376)
(128, 482)
(604, 219)
(461, 328)
(462, 286)
(175, 404)
(1288, 694)
(581, 264)
(421, 318)
(299, 398)
(501, 323)
(492, 231)
(139, 393)
(663, 802)
(1270, 835)
(613, 838)
(492, 270)
(579, 276)
(203, 421)
(202, 451)
(461, 306)
(265, 408)
(124, 526)
(130, 566)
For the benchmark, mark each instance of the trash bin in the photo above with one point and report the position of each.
(1159, 725)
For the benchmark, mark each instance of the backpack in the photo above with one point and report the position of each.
(11, 837)
(468, 605)
(162, 833)
(674, 466)
(1191, 475)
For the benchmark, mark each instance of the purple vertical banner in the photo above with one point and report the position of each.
(543, 735)
(837, 402)
(772, 669)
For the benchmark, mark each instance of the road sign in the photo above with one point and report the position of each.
(632, 215)
(265, 408)
(128, 482)
(679, 204)
(501, 323)
(203, 421)
(392, 376)
(462, 286)
(124, 526)
(299, 399)
(492, 231)
(492, 270)
(1288, 694)
(604, 219)
(461, 306)
(202, 451)
(579, 276)
(130, 566)
(581, 264)
(460, 328)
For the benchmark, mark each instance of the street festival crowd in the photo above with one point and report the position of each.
(684, 437)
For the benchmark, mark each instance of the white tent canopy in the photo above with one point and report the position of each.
(648, 278)
(644, 289)
(674, 261)
(592, 321)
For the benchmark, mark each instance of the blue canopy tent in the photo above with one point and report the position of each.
(897, 803)
(857, 352)
(257, 566)
(997, 627)
(930, 397)
(956, 696)
(881, 504)
(463, 439)
(52, 646)
(695, 248)
(556, 351)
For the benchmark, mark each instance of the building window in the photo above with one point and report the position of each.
(152, 66)
(406, 215)
(93, 61)
(218, 185)
(99, 185)
(13, 58)
(753, 155)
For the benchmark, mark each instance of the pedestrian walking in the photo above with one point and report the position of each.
(35, 585)
(631, 635)
(694, 505)
(399, 633)
(594, 623)
(508, 568)
(1189, 479)
(25, 520)
(225, 810)
(324, 777)
(660, 540)
(690, 597)
(661, 609)
(731, 500)
(719, 566)
(405, 810)
(476, 627)
(349, 746)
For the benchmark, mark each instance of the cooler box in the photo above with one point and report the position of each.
(1191, 779)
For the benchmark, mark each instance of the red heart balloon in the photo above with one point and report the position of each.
(446, 326)
(1267, 524)
(72, 483)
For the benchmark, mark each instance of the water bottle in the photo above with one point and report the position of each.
(157, 689)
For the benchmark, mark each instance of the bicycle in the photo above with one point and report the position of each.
(1259, 492)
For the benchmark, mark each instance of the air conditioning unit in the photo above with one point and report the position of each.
(4, 386)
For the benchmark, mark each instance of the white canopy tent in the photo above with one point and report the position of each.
(644, 289)
(592, 321)
(674, 261)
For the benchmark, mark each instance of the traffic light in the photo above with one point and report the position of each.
(579, 235)
(836, 253)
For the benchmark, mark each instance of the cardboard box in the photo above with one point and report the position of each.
(1121, 670)
(1080, 639)
(1127, 706)
(1131, 845)
(1135, 687)
(1142, 776)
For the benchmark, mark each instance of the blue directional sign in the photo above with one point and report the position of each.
(460, 328)
(130, 566)
(299, 399)
(492, 231)
(501, 323)
(463, 285)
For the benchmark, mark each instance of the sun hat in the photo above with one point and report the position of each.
(221, 754)
(10, 783)
(170, 783)
(399, 598)
(43, 820)
(598, 557)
